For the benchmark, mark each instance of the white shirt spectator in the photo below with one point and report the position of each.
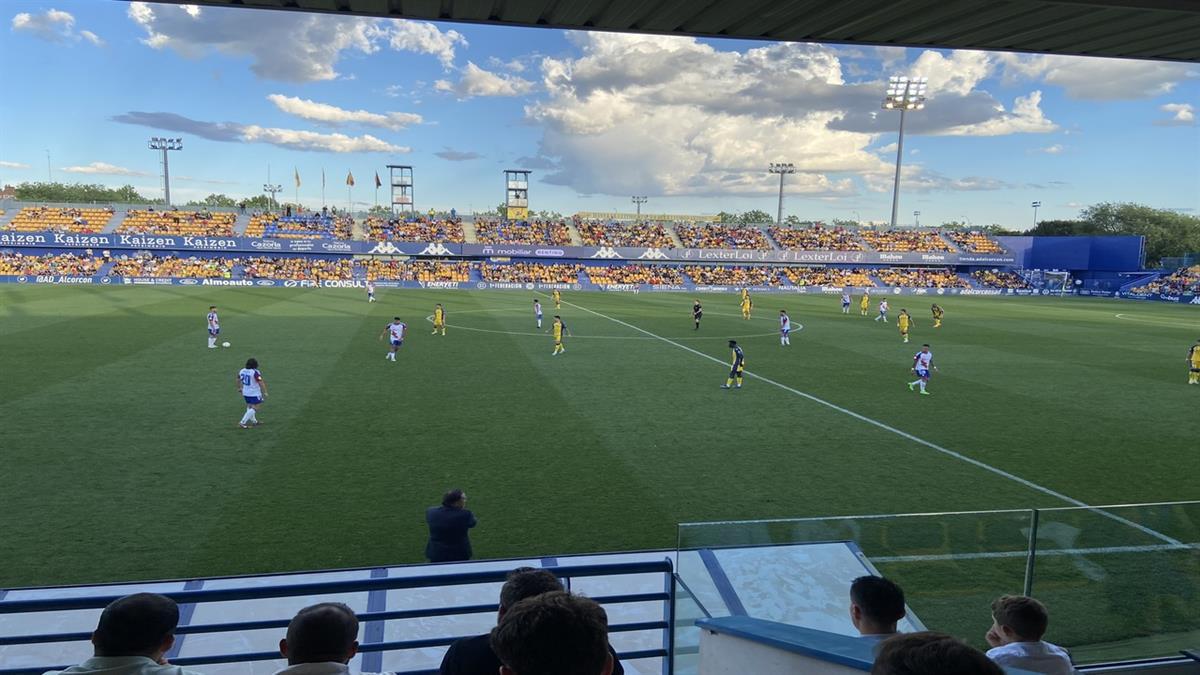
(1039, 657)
(325, 668)
(122, 665)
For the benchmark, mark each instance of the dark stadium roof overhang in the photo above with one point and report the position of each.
(1144, 29)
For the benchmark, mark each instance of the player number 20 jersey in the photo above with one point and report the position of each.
(251, 382)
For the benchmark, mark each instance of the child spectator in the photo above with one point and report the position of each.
(1018, 624)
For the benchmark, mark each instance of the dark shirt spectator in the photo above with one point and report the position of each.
(554, 633)
(448, 526)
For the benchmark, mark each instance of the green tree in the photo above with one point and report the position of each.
(79, 193)
(1167, 233)
(725, 217)
(754, 217)
(842, 222)
(791, 221)
(215, 200)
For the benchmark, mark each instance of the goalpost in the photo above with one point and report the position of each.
(1057, 281)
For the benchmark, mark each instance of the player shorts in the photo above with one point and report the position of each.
(253, 400)
(397, 343)
(698, 315)
(785, 331)
(923, 373)
(214, 331)
(904, 331)
(736, 372)
(845, 303)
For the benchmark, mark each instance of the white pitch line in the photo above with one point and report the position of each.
(1099, 550)
(903, 434)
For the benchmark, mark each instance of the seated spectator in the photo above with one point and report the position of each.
(648, 235)
(709, 275)
(1182, 280)
(521, 232)
(975, 242)
(321, 640)
(474, 655)
(816, 238)
(901, 241)
(415, 229)
(996, 279)
(929, 653)
(722, 236)
(1018, 624)
(635, 273)
(527, 272)
(920, 277)
(553, 633)
(876, 606)
(132, 638)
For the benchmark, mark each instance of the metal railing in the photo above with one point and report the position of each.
(328, 588)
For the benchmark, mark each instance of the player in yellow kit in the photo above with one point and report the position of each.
(736, 365)
(938, 313)
(904, 321)
(747, 304)
(864, 305)
(557, 299)
(439, 319)
(560, 329)
(1194, 364)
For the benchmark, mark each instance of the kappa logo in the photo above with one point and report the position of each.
(385, 247)
(436, 249)
(653, 254)
(1195, 300)
(606, 252)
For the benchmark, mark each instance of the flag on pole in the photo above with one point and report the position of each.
(350, 178)
(297, 172)
(378, 182)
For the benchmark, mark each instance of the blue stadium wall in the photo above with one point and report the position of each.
(1080, 255)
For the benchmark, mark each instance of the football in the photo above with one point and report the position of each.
(224, 344)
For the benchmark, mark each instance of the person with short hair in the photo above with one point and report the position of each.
(214, 326)
(876, 606)
(737, 367)
(254, 389)
(474, 655)
(133, 637)
(554, 633)
(395, 333)
(1018, 624)
(321, 639)
(448, 529)
(929, 653)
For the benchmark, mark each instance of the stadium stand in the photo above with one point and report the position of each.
(537, 232)
(17, 264)
(995, 279)
(916, 277)
(709, 275)
(308, 226)
(828, 276)
(416, 270)
(1182, 280)
(816, 238)
(634, 273)
(81, 220)
(904, 241)
(721, 236)
(168, 266)
(531, 273)
(598, 233)
(449, 231)
(182, 223)
(974, 242)
(297, 269)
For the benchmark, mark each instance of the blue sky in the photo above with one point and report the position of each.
(597, 117)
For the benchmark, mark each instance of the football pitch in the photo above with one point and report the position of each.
(122, 458)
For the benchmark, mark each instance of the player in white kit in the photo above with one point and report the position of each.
(214, 327)
(922, 366)
(883, 310)
(395, 332)
(537, 311)
(253, 389)
(845, 303)
(785, 328)
(370, 291)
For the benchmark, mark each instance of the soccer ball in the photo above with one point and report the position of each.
(224, 344)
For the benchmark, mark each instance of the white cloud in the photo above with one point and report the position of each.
(13, 165)
(1055, 149)
(232, 132)
(1099, 79)
(312, 43)
(104, 169)
(53, 25)
(959, 73)
(513, 65)
(1026, 118)
(325, 113)
(476, 81)
(1182, 115)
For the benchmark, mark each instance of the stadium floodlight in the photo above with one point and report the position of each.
(638, 201)
(904, 94)
(166, 144)
(781, 168)
(1036, 206)
(273, 189)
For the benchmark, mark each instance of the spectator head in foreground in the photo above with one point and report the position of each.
(142, 624)
(554, 633)
(929, 653)
(876, 606)
(323, 633)
(526, 582)
(1016, 618)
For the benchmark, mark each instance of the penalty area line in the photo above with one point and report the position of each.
(903, 434)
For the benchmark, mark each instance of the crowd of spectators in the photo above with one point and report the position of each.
(906, 241)
(920, 277)
(69, 264)
(721, 236)
(974, 242)
(522, 232)
(179, 223)
(600, 233)
(828, 276)
(80, 220)
(723, 275)
(315, 225)
(1182, 280)
(997, 279)
(416, 270)
(422, 229)
(523, 272)
(816, 238)
(297, 269)
(635, 273)
(170, 266)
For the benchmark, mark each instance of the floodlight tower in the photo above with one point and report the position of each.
(273, 189)
(638, 201)
(165, 144)
(903, 94)
(1035, 206)
(401, 180)
(516, 194)
(782, 169)
(916, 218)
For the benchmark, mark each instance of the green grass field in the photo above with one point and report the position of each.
(122, 458)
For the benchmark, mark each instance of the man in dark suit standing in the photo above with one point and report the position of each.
(448, 526)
